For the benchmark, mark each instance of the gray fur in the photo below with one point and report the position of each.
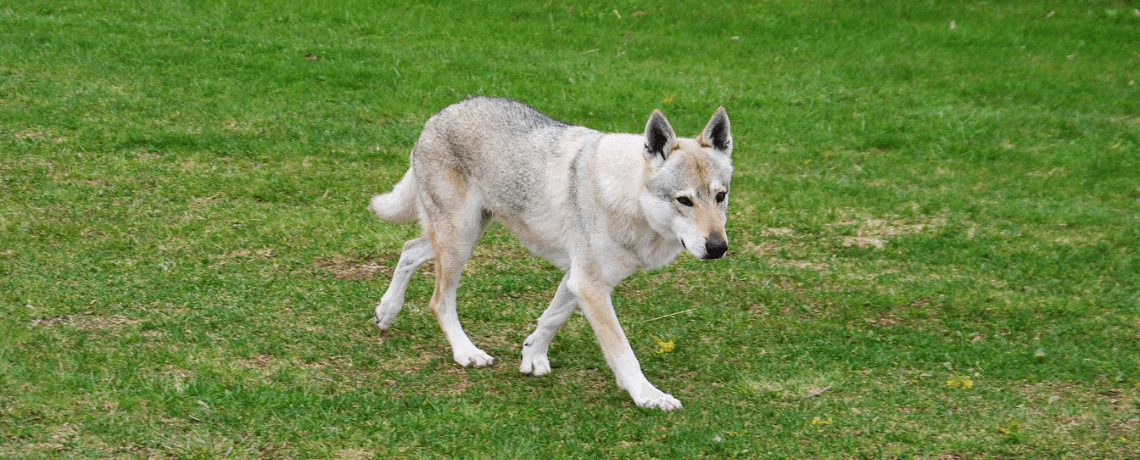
(599, 206)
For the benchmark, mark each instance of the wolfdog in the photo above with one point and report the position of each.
(598, 206)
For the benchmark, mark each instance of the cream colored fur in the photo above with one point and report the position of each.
(599, 206)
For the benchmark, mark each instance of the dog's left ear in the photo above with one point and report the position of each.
(659, 137)
(717, 134)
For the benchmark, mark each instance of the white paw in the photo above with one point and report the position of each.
(386, 315)
(534, 361)
(534, 365)
(473, 357)
(652, 397)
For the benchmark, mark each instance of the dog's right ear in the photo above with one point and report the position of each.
(659, 137)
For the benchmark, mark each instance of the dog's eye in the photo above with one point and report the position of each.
(685, 201)
(720, 197)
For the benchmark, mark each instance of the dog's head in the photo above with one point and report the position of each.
(687, 188)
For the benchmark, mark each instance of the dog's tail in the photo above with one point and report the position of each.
(399, 204)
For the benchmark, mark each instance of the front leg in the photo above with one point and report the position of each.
(594, 299)
(534, 352)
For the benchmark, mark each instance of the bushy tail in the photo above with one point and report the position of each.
(399, 204)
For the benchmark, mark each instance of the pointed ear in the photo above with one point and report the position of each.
(659, 136)
(717, 134)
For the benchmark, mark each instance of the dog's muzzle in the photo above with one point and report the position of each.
(715, 247)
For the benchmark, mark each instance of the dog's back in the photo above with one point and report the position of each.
(498, 143)
(508, 161)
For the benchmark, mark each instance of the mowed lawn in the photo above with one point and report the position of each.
(934, 231)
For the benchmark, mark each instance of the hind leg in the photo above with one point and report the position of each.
(416, 252)
(452, 241)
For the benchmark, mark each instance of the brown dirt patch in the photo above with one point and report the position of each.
(348, 268)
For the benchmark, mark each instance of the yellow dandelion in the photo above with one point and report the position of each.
(663, 346)
(1013, 427)
(667, 100)
(960, 381)
(818, 421)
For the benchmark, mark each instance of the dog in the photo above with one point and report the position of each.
(598, 206)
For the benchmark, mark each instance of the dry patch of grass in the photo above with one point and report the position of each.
(349, 268)
(876, 232)
(40, 135)
(790, 390)
(87, 321)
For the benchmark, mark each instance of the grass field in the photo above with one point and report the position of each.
(934, 231)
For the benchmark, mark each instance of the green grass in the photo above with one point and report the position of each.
(188, 270)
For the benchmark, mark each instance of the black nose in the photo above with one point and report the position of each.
(715, 247)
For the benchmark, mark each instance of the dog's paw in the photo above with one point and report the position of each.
(666, 403)
(534, 360)
(534, 365)
(383, 323)
(652, 397)
(386, 315)
(473, 357)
